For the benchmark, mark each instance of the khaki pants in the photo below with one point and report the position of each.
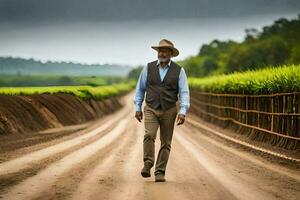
(166, 121)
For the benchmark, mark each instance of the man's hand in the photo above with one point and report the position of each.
(180, 119)
(139, 115)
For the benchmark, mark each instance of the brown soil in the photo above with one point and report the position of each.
(103, 161)
(32, 120)
(27, 114)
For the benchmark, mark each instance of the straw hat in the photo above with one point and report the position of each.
(168, 44)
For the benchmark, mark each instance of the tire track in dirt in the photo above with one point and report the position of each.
(10, 179)
(25, 161)
(171, 189)
(237, 189)
(242, 143)
(239, 173)
(114, 173)
(131, 180)
(16, 145)
(123, 180)
(248, 157)
(134, 186)
(200, 166)
(185, 179)
(35, 185)
(66, 185)
(53, 136)
(191, 178)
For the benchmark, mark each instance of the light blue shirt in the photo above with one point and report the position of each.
(184, 93)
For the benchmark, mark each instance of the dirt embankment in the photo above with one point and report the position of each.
(27, 114)
(105, 160)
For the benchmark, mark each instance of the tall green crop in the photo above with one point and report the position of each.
(84, 92)
(265, 81)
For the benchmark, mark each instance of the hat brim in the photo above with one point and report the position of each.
(175, 51)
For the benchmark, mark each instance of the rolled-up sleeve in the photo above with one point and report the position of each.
(140, 89)
(184, 93)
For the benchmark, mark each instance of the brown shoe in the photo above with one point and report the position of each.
(146, 169)
(160, 178)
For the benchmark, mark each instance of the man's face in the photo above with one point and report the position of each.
(164, 54)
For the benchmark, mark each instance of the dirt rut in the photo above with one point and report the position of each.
(108, 167)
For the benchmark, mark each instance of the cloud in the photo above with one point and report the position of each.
(139, 9)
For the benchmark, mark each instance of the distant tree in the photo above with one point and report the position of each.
(65, 80)
(209, 65)
(251, 34)
(295, 55)
(134, 73)
(276, 44)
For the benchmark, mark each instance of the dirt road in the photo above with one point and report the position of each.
(104, 160)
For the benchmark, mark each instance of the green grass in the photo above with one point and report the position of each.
(265, 81)
(7, 80)
(84, 92)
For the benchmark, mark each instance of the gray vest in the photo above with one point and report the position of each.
(162, 94)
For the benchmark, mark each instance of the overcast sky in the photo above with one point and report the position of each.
(122, 31)
(141, 9)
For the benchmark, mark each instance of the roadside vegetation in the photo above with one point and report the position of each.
(84, 92)
(263, 81)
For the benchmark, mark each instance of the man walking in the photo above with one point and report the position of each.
(162, 80)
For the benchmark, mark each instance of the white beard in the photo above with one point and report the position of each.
(162, 59)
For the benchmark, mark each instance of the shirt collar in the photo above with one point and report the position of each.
(168, 65)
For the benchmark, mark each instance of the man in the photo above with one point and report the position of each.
(163, 79)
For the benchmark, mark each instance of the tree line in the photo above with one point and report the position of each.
(275, 45)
